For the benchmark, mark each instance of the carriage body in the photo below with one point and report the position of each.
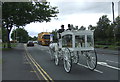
(81, 40)
(74, 43)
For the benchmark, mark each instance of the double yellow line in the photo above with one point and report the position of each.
(38, 67)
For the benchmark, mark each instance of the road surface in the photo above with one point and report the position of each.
(38, 60)
(107, 68)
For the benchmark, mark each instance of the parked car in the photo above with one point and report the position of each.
(30, 43)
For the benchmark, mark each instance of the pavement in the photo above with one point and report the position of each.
(14, 65)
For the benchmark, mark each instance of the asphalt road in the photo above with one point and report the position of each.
(15, 66)
(36, 65)
(107, 68)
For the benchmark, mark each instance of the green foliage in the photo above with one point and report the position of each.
(112, 47)
(103, 28)
(30, 38)
(106, 33)
(20, 34)
(0, 61)
(110, 33)
(34, 38)
(117, 29)
(103, 42)
(118, 43)
(90, 27)
(4, 35)
(22, 13)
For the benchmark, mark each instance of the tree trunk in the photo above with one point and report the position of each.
(8, 40)
(9, 28)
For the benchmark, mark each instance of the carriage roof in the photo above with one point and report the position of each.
(77, 32)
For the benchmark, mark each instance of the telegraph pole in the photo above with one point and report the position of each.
(113, 10)
(113, 21)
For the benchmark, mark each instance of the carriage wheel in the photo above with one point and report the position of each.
(51, 53)
(67, 60)
(56, 58)
(75, 57)
(91, 59)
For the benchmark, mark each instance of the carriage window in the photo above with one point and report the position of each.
(67, 41)
(80, 41)
(89, 41)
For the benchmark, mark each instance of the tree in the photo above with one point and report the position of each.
(30, 38)
(110, 33)
(4, 35)
(20, 35)
(117, 28)
(90, 27)
(19, 14)
(34, 38)
(101, 30)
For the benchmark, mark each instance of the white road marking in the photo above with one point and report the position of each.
(105, 64)
(87, 67)
(112, 61)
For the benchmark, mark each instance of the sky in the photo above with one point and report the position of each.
(76, 12)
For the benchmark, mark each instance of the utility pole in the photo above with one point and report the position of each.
(113, 10)
(113, 22)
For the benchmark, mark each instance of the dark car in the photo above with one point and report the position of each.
(30, 43)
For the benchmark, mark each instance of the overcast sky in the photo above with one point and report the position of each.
(74, 12)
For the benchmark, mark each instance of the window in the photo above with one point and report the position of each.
(46, 37)
(89, 41)
(80, 41)
(67, 41)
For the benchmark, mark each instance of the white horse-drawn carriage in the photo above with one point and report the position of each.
(71, 45)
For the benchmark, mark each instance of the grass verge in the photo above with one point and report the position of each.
(4, 44)
(111, 47)
(0, 61)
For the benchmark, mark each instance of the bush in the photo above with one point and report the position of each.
(118, 43)
(103, 43)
